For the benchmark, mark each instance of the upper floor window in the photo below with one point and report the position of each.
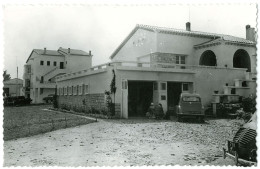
(48, 63)
(41, 63)
(61, 65)
(54, 63)
(28, 68)
(180, 59)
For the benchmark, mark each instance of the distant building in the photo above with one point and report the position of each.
(13, 87)
(42, 66)
(157, 64)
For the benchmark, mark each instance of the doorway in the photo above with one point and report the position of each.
(174, 90)
(140, 96)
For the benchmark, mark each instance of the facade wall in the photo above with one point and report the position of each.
(141, 43)
(76, 63)
(177, 44)
(40, 70)
(14, 89)
(95, 97)
(208, 80)
(225, 53)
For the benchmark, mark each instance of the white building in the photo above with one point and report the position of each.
(42, 66)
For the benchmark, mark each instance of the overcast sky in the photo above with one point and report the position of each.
(102, 28)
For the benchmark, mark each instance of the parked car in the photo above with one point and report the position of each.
(16, 101)
(48, 99)
(190, 105)
(243, 146)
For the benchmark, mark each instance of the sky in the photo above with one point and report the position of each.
(101, 28)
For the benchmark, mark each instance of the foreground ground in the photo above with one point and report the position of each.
(131, 142)
(31, 120)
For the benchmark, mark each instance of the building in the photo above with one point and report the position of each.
(156, 64)
(42, 66)
(13, 87)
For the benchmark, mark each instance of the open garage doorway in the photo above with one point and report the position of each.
(140, 96)
(174, 90)
(241, 59)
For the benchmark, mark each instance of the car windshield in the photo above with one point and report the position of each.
(191, 99)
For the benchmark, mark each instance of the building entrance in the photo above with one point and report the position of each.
(140, 96)
(174, 90)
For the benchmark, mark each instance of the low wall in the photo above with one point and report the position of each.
(84, 103)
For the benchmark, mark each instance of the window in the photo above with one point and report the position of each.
(41, 63)
(70, 91)
(191, 99)
(61, 65)
(42, 79)
(163, 86)
(65, 90)
(48, 63)
(75, 90)
(163, 97)
(41, 90)
(86, 89)
(180, 59)
(80, 90)
(54, 63)
(185, 87)
(28, 68)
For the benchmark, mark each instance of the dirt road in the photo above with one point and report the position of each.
(124, 142)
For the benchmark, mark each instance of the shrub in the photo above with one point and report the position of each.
(249, 104)
(55, 101)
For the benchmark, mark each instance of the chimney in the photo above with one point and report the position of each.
(44, 52)
(250, 33)
(188, 26)
(68, 50)
(90, 53)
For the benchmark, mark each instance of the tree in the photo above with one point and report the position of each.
(113, 89)
(6, 76)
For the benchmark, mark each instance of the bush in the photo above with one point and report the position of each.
(249, 104)
(55, 101)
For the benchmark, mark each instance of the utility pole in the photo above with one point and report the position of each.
(17, 82)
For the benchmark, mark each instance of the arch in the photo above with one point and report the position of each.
(241, 59)
(208, 58)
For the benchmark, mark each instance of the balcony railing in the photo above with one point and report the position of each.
(139, 65)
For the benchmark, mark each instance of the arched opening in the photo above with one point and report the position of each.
(208, 58)
(241, 59)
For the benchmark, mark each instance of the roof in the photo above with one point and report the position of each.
(47, 52)
(13, 81)
(73, 52)
(212, 36)
(59, 52)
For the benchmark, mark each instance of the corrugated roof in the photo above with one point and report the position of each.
(212, 36)
(73, 51)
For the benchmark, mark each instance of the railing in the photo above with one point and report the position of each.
(50, 71)
(143, 65)
(94, 68)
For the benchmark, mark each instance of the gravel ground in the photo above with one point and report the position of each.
(131, 142)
